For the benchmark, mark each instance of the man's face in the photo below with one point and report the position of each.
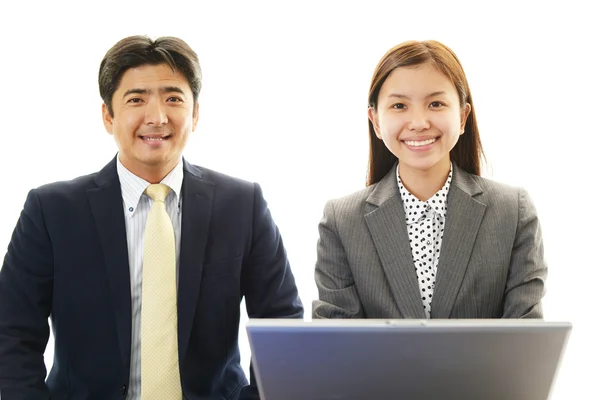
(153, 116)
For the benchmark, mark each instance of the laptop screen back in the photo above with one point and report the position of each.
(412, 359)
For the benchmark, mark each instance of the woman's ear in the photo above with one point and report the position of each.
(463, 117)
(374, 120)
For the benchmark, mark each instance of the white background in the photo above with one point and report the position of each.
(284, 103)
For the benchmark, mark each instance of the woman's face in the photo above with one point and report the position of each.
(419, 117)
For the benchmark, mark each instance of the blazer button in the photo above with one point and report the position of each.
(123, 390)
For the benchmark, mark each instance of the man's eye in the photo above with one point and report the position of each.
(134, 100)
(174, 99)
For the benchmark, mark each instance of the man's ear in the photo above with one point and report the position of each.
(195, 116)
(107, 119)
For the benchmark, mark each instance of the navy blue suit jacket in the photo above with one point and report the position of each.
(68, 259)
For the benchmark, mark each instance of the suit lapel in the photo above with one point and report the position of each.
(106, 203)
(197, 197)
(463, 219)
(387, 225)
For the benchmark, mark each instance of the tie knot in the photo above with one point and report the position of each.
(158, 191)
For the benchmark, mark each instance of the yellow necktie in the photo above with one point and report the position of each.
(160, 361)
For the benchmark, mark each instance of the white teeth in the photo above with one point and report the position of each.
(158, 138)
(420, 142)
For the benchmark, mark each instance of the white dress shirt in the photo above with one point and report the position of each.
(136, 206)
(425, 223)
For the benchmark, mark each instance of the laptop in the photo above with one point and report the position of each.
(373, 359)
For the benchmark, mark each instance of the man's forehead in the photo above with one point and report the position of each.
(153, 78)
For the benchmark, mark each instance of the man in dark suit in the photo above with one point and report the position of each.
(77, 253)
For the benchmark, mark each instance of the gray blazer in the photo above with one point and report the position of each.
(491, 261)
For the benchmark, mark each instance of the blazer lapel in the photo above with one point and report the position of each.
(197, 196)
(387, 225)
(463, 219)
(106, 203)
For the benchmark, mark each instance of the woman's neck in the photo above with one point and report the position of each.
(423, 184)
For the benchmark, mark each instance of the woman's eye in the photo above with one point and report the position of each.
(398, 106)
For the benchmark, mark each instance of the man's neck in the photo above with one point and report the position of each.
(151, 173)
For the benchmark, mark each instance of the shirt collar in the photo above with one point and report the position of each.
(436, 204)
(132, 186)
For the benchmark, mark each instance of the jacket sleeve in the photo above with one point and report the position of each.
(338, 297)
(268, 284)
(26, 282)
(527, 271)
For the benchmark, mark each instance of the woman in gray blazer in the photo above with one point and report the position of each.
(428, 237)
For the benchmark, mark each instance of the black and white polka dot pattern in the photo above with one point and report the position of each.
(425, 223)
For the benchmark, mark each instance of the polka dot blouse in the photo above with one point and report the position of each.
(425, 223)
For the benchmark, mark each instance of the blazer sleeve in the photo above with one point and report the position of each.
(26, 281)
(268, 284)
(338, 296)
(527, 271)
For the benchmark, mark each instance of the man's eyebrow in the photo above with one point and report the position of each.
(134, 91)
(164, 89)
(170, 89)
